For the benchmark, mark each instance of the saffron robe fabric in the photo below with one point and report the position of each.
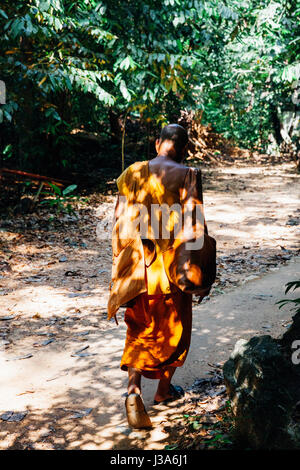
(159, 318)
(158, 333)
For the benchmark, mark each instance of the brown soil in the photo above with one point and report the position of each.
(54, 277)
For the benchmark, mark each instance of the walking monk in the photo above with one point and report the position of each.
(158, 314)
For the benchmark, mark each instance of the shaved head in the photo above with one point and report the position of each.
(176, 134)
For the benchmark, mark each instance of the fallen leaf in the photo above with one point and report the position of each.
(10, 317)
(17, 358)
(13, 416)
(72, 273)
(82, 349)
(81, 414)
(36, 316)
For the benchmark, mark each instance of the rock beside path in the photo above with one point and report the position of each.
(263, 384)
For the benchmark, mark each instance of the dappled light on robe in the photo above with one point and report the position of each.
(158, 333)
(158, 314)
(139, 187)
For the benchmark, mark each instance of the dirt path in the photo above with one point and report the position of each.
(53, 290)
(52, 385)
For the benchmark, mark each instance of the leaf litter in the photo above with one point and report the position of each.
(40, 244)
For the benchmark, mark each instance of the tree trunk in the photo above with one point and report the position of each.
(276, 125)
(115, 126)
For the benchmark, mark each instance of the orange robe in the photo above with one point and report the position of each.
(158, 333)
(159, 318)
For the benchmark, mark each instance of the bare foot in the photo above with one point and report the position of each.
(134, 382)
(159, 398)
(173, 392)
(134, 389)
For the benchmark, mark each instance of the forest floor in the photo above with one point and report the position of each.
(59, 356)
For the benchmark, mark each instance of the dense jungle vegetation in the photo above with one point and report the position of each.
(86, 81)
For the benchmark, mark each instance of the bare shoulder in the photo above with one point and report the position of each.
(171, 173)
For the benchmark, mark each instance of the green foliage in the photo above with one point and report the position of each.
(252, 76)
(67, 64)
(171, 447)
(62, 198)
(293, 285)
(7, 152)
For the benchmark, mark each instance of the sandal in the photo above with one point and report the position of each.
(137, 416)
(176, 391)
